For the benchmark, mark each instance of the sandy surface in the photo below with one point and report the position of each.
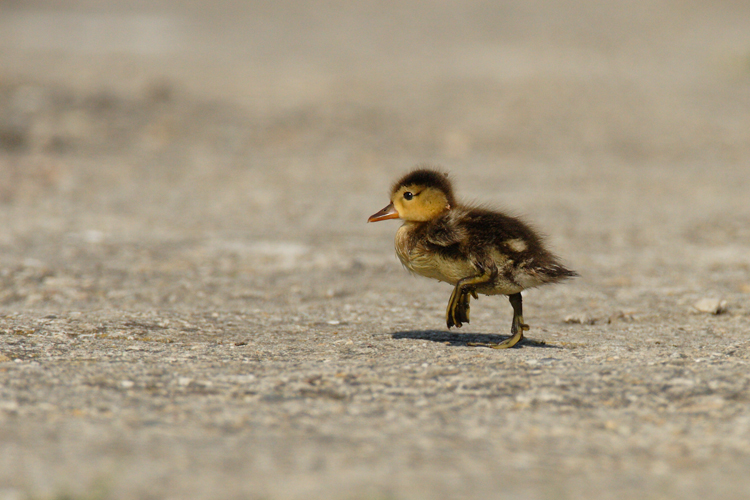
(192, 306)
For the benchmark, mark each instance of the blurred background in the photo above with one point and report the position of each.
(266, 132)
(188, 157)
(179, 116)
(214, 112)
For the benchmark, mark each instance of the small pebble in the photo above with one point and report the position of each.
(711, 305)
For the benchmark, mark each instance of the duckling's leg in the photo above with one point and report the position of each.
(517, 327)
(462, 307)
(457, 312)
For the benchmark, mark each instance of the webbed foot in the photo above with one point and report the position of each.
(457, 312)
(516, 330)
(517, 327)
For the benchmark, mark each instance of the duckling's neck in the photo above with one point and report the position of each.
(414, 226)
(405, 241)
(409, 235)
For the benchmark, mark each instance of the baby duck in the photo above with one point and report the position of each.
(474, 249)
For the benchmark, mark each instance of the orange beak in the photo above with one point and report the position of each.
(388, 212)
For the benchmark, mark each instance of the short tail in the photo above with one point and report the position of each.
(557, 272)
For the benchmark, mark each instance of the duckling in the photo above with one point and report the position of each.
(474, 249)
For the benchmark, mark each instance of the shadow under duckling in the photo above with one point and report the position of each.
(475, 249)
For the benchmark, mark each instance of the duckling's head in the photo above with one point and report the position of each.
(421, 195)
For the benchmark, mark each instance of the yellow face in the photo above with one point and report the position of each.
(419, 203)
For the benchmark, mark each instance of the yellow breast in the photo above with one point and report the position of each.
(431, 265)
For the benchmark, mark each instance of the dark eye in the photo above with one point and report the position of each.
(408, 195)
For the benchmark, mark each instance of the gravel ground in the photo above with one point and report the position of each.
(192, 306)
